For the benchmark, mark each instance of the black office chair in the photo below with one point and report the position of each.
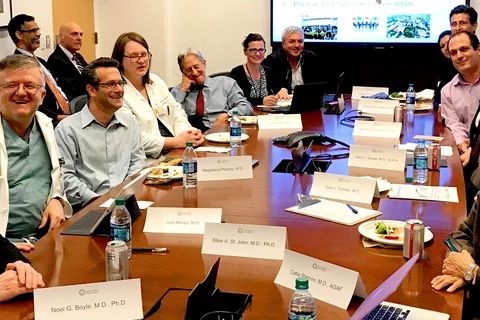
(78, 103)
(226, 74)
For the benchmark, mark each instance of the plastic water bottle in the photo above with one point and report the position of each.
(410, 109)
(302, 306)
(189, 163)
(121, 224)
(420, 163)
(235, 130)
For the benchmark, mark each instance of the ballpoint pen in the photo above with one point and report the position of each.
(352, 208)
(154, 250)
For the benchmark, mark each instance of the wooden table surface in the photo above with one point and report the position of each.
(67, 260)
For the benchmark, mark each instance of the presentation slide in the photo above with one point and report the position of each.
(375, 21)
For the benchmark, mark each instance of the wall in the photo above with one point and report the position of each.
(476, 5)
(42, 11)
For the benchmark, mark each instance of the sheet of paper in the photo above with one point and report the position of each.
(213, 149)
(446, 151)
(224, 168)
(280, 121)
(377, 158)
(141, 204)
(327, 282)
(244, 240)
(417, 192)
(180, 220)
(102, 300)
(428, 138)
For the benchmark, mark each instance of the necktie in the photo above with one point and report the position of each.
(78, 63)
(200, 103)
(58, 96)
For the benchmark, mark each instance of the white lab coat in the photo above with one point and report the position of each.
(56, 190)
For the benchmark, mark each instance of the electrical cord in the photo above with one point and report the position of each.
(349, 121)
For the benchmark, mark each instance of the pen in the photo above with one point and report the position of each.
(155, 250)
(351, 208)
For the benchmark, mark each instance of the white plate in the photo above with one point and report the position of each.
(248, 119)
(423, 107)
(367, 229)
(222, 137)
(174, 172)
(399, 99)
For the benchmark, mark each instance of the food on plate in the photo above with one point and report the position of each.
(397, 95)
(388, 232)
(173, 162)
(157, 171)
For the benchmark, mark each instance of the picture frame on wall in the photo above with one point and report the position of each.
(5, 12)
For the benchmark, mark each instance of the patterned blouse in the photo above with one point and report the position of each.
(259, 87)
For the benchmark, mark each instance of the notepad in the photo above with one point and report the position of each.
(416, 192)
(335, 212)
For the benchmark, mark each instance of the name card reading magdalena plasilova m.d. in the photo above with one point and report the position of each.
(377, 133)
(180, 220)
(377, 158)
(244, 240)
(327, 282)
(345, 188)
(224, 168)
(102, 300)
(280, 121)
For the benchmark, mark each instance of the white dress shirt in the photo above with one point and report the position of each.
(69, 55)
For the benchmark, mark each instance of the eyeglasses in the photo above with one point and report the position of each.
(253, 50)
(460, 23)
(136, 58)
(112, 84)
(30, 87)
(33, 30)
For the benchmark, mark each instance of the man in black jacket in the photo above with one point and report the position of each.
(292, 63)
(66, 63)
(25, 33)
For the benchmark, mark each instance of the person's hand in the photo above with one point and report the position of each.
(23, 246)
(186, 83)
(190, 135)
(456, 264)
(463, 147)
(10, 287)
(221, 120)
(465, 157)
(270, 101)
(198, 137)
(54, 213)
(283, 94)
(453, 283)
(27, 276)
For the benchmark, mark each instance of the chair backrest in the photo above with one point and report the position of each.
(226, 74)
(78, 103)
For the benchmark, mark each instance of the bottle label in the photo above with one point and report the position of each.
(410, 99)
(420, 163)
(235, 132)
(120, 232)
(189, 167)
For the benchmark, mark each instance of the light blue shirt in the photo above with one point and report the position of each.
(98, 158)
(221, 95)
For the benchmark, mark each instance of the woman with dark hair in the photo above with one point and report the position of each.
(259, 83)
(162, 120)
(446, 70)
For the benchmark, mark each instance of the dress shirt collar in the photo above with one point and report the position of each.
(208, 82)
(88, 118)
(25, 52)
(68, 53)
(129, 84)
(458, 79)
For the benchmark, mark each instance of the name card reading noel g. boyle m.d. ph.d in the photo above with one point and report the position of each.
(377, 133)
(244, 240)
(224, 168)
(377, 158)
(102, 300)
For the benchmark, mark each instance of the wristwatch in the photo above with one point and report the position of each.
(468, 275)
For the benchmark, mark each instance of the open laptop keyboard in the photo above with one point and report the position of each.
(383, 312)
(83, 226)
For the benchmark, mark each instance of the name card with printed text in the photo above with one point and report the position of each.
(244, 240)
(345, 188)
(180, 220)
(224, 168)
(380, 109)
(280, 121)
(378, 103)
(377, 133)
(377, 158)
(327, 282)
(102, 300)
(359, 91)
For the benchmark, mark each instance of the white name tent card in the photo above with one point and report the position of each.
(359, 91)
(378, 103)
(224, 168)
(280, 121)
(345, 188)
(102, 300)
(327, 282)
(377, 158)
(180, 220)
(380, 109)
(244, 240)
(377, 133)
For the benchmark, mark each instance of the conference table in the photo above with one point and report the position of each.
(69, 260)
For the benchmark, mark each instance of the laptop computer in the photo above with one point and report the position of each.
(307, 97)
(374, 307)
(98, 222)
(334, 96)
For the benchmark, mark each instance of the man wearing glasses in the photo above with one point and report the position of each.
(31, 184)
(207, 101)
(25, 33)
(101, 147)
(463, 18)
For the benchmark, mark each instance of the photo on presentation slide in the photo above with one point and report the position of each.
(408, 26)
(320, 28)
(365, 24)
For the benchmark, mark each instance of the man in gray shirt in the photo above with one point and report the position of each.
(101, 147)
(207, 101)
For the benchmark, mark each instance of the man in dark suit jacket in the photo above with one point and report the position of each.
(66, 63)
(25, 33)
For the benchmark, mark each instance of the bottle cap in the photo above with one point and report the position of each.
(189, 144)
(409, 179)
(234, 113)
(421, 140)
(410, 85)
(120, 201)
(301, 283)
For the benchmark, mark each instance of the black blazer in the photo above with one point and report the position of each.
(49, 105)
(9, 253)
(66, 74)
(273, 83)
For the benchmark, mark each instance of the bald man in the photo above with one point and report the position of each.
(66, 63)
